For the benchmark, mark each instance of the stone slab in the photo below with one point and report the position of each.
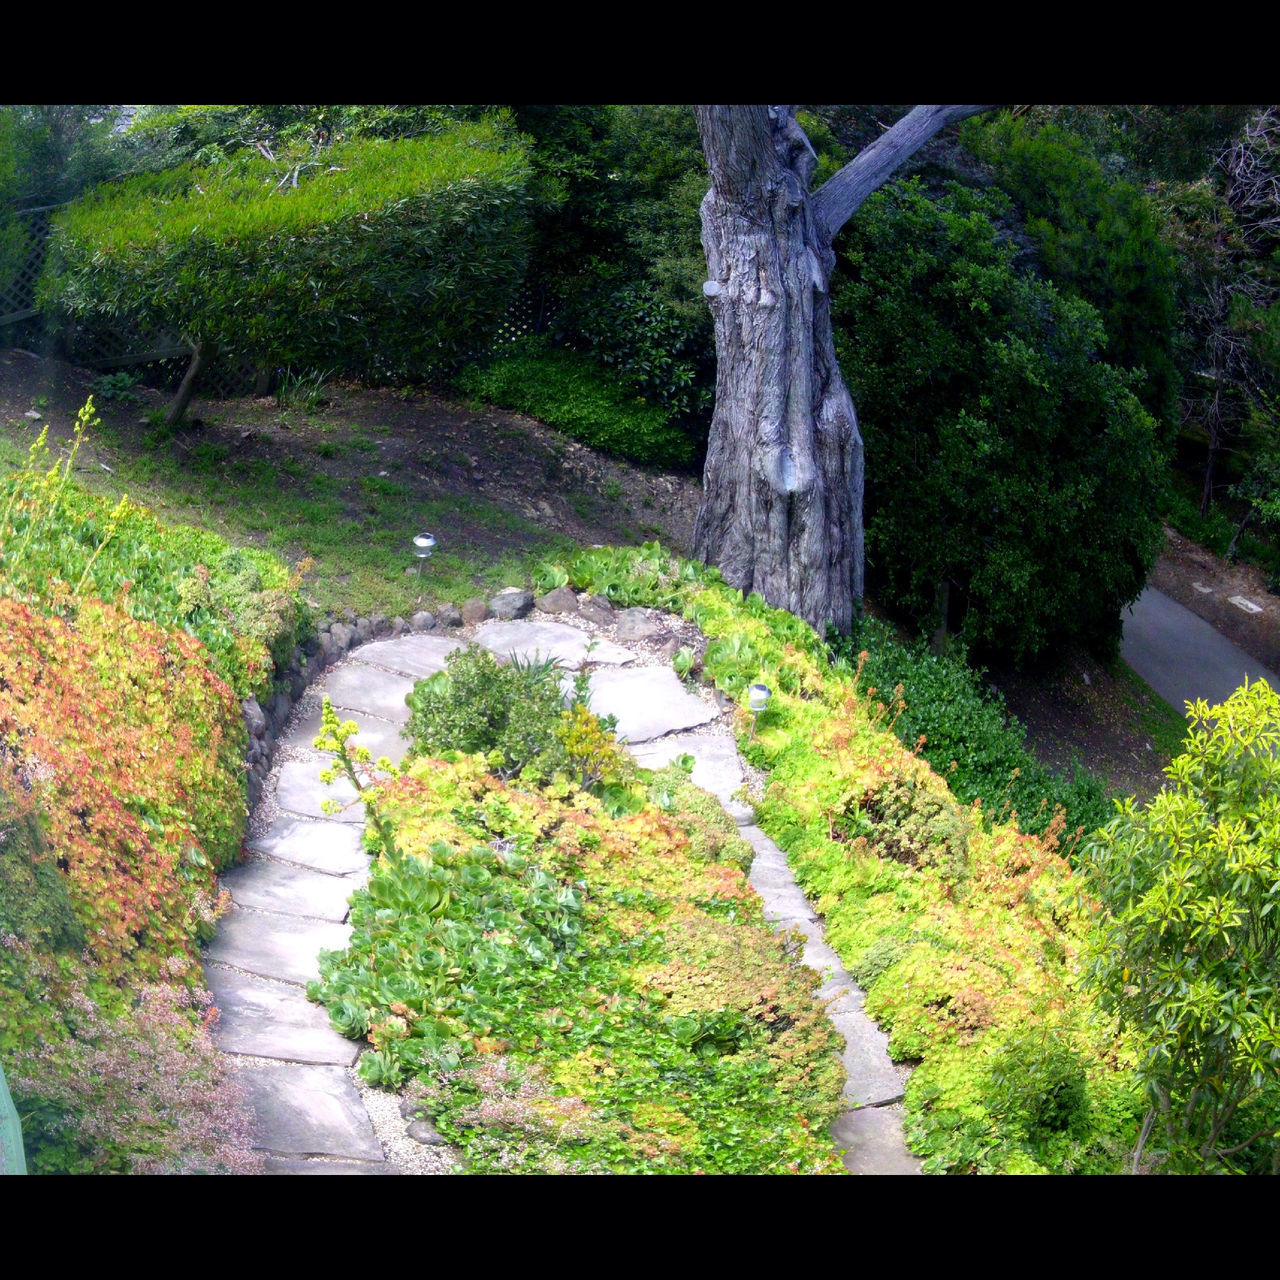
(360, 687)
(291, 891)
(716, 766)
(334, 847)
(417, 656)
(649, 702)
(334, 1168)
(299, 790)
(274, 946)
(304, 1110)
(273, 1020)
(382, 737)
(873, 1078)
(872, 1138)
(566, 644)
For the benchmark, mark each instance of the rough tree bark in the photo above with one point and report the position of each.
(782, 489)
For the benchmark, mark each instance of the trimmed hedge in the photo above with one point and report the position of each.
(377, 258)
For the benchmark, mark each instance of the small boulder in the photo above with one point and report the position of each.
(424, 621)
(635, 624)
(511, 603)
(447, 617)
(342, 634)
(425, 1132)
(561, 600)
(596, 609)
(473, 610)
(254, 719)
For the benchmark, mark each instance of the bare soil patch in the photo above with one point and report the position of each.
(431, 447)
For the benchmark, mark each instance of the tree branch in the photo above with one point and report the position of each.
(840, 197)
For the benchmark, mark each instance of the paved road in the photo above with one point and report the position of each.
(1181, 656)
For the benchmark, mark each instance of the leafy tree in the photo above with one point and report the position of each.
(1012, 475)
(1185, 949)
(1098, 238)
(1225, 227)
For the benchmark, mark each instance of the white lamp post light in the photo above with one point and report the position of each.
(758, 696)
(423, 545)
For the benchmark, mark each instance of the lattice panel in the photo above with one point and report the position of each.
(18, 295)
(531, 313)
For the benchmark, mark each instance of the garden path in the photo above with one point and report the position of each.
(290, 901)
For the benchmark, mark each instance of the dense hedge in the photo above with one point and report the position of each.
(379, 258)
(572, 393)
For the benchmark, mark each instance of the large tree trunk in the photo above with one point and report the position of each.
(782, 489)
(782, 504)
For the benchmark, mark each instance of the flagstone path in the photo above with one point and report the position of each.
(290, 901)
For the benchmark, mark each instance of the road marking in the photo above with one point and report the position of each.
(1247, 605)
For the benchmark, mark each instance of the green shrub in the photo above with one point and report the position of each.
(1186, 940)
(1039, 1083)
(34, 903)
(510, 714)
(968, 736)
(1006, 463)
(572, 393)
(379, 258)
(656, 351)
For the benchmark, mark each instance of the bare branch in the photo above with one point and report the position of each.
(840, 197)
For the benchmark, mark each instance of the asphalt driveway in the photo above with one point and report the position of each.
(1181, 656)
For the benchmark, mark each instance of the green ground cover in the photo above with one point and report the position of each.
(125, 646)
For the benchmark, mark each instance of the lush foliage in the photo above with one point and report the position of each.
(381, 258)
(140, 749)
(1099, 238)
(121, 796)
(963, 931)
(570, 392)
(1188, 940)
(511, 714)
(573, 993)
(60, 544)
(942, 708)
(1011, 474)
(107, 1085)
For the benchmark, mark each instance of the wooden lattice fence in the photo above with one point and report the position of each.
(23, 236)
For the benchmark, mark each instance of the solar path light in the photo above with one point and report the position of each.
(423, 545)
(758, 696)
